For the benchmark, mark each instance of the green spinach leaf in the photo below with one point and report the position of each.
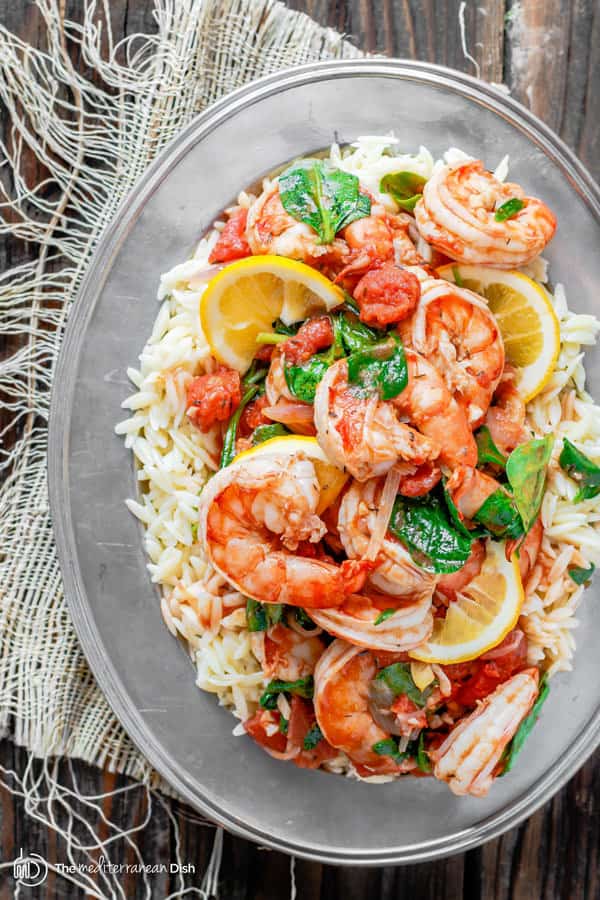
(435, 542)
(580, 575)
(487, 452)
(261, 616)
(303, 687)
(312, 737)
(509, 209)
(283, 724)
(524, 730)
(526, 473)
(354, 335)
(423, 761)
(382, 367)
(228, 451)
(315, 192)
(302, 379)
(264, 433)
(398, 678)
(389, 747)
(499, 516)
(405, 187)
(582, 469)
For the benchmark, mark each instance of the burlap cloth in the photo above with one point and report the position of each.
(94, 129)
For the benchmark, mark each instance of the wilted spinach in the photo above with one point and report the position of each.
(312, 737)
(582, 469)
(261, 616)
(398, 678)
(389, 747)
(228, 451)
(315, 192)
(434, 541)
(524, 730)
(405, 187)
(302, 378)
(422, 758)
(487, 452)
(303, 687)
(499, 515)
(580, 575)
(264, 433)
(382, 367)
(526, 473)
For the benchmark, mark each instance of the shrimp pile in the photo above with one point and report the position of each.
(368, 514)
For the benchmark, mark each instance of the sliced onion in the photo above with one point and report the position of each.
(381, 698)
(386, 503)
(296, 415)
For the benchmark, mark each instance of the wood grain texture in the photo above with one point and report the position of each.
(548, 53)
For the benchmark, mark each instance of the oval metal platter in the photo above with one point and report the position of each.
(145, 674)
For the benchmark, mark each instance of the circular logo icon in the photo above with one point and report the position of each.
(30, 869)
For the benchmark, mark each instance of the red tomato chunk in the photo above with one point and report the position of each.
(232, 243)
(387, 295)
(213, 398)
(314, 335)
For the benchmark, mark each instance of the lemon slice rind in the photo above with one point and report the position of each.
(481, 617)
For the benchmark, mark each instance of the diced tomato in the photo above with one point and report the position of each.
(490, 673)
(232, 243)
(314, 335)
(403, 704)
(253, 416)
(257, 725)
(302, 720)
(213, 398)
(387, 295)
(420, 482)
(264, 353)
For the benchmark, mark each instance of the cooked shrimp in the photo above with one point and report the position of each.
(270, 229)
(355, 620)
(342, 679)
(286, 654)
(456, 331)
(468, 758)
(506, 416)
(252, 516)
(395, 573)
(469, 489)
(369, 436)
(528, 549)
(456, 214)
(450, 585)
(376, 239)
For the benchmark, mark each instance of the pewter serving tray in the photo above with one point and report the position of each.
(146, 675)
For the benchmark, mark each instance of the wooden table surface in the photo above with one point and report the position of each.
(548, 53)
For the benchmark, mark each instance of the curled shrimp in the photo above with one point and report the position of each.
(457, 215)
(506, 416)
(376, 239)
(457, 332)
(469, 488)
(369, 436)
(253, 515)
(469, 756)
(342, 679)
(270, 229)
(395, 572)
(286, 654)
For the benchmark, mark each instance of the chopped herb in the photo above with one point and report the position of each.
(280, 327)
(526, 473)
(487, 452)
(261, 616)
(283, 724)
(399, 680)
(354, 335)
(384, 615)
(423, 761)
(405, 187)
(389, 747)
(582, 469)
(436, 543)
(524, 730)
(509, 209)
(270, 337)
(457, 276)
(264, 433)
(580, 575)
(312, 737)
(315, 192)
(194, 530)
(382, 366)
(303, 687)
(499, 515)
(228, 451)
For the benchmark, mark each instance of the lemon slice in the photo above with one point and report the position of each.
(482, 616)
(330, 478)
(247, 296)
(526, 318)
